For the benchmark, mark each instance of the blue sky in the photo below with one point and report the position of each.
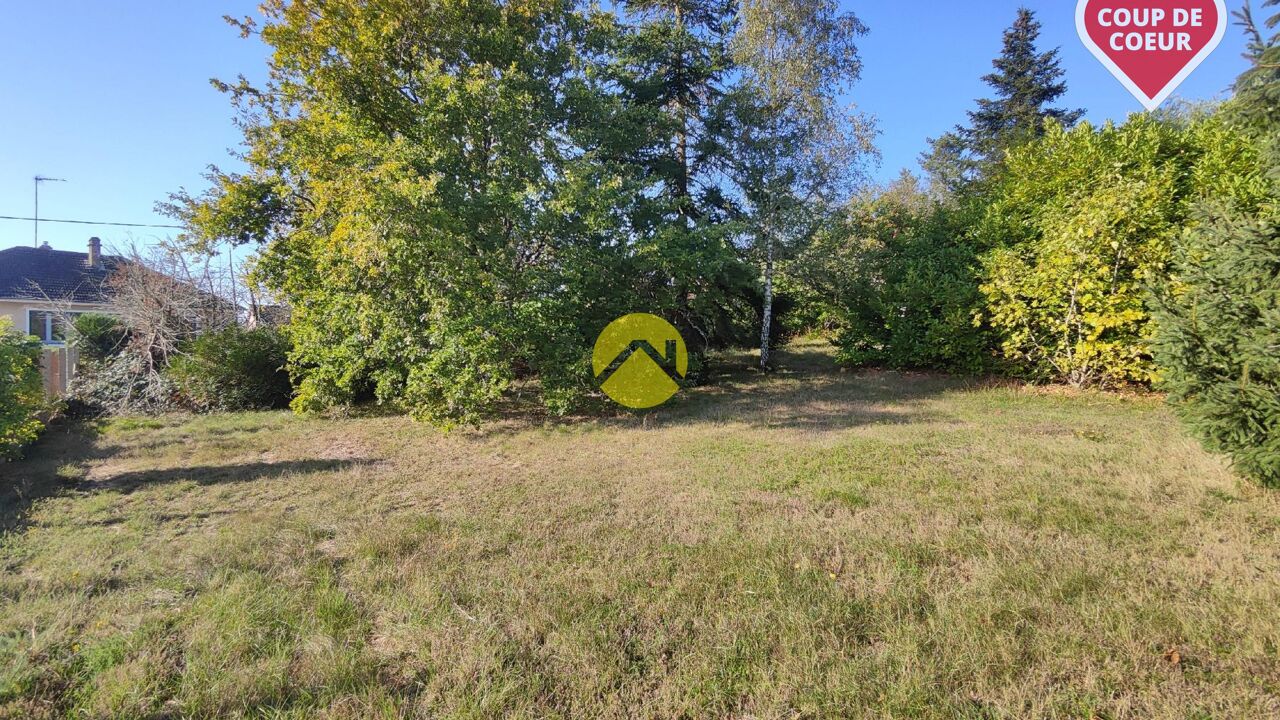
(115, 97)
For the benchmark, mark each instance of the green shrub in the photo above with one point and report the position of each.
(904, 285)
(234, 369)
(1218, 343)
(98, 336)
(21, 391)
(1080, 225)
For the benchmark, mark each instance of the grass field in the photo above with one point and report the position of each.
(807, 544)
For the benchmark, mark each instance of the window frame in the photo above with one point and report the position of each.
(51, 321)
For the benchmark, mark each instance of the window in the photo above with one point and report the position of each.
(48, 326)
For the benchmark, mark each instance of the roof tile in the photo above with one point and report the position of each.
(37, 273)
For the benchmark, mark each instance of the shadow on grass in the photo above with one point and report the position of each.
(807, 390)
(128, 482)
(57, 462)
(52, 464)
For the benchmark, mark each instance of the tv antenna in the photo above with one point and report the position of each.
(35, 218)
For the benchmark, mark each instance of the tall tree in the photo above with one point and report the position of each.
(672, 68)
(673, 62)
(459, 194)
(439, 200)
(797, 149)
(1257, 99)
(1026, 83)
(1218, 324)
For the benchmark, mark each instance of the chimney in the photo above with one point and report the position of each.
(95, 252)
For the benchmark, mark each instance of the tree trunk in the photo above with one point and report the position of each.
(767, 315)
(682, 135)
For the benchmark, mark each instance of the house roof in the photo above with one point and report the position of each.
(38, 273)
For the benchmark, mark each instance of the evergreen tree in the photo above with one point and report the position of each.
(672, 68)
(1219, 331)
(1218, 340)
(1257, 99)
(1026, 83)
(672, 64)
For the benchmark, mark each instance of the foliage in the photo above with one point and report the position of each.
(239, 208)
(669, 61)
(234, 369)
(906, 281)
(1080, 224)
(456, 197)
(1257, 90)
(1219, 339)
(1026, 84)
(433, 273)
(120, 384)
(796, 149)
(21, 390)
(162, 299)
(98, 336)
(672, 64)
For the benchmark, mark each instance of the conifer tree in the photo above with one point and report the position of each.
(1219, 332)
(672, 69)
(1026, 83)
(672, 66)
(1218, 340)
(1257, 99)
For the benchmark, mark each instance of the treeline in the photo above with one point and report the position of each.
(455, 197)
(1144, 253)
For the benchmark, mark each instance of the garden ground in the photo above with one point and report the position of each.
(812, 543)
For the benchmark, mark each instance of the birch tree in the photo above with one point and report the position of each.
(798, 148)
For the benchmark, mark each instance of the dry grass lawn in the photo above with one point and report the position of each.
(808, 544)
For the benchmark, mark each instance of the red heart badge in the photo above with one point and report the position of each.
(1151, 46)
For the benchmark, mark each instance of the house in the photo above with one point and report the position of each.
(41, 287)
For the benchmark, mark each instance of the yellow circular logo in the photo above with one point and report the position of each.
(638, 360)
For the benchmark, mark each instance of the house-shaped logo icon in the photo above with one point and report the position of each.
(628, 367)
